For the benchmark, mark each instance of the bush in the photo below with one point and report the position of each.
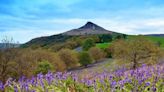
(43, 67)
(96, 53)
(105, 38)
(27, 61)
(69, 57)
(84, 59)
(88, 43)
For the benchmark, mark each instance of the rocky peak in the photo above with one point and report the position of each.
(90, 25)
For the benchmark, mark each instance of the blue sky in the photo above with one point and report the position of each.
(27, 19)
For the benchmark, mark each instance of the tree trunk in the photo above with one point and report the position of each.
(135, 61)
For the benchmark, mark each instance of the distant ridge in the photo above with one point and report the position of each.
(3, 45)
(88, 29)
(161, 35)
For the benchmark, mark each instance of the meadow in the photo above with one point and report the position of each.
(143, 79)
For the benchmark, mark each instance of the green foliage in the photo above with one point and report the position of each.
(88, 43)
(119, 36)
(44, 67)
(105, 38)
(84, 58)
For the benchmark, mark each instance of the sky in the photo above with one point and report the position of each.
(24, 20)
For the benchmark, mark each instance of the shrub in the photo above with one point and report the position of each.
(88, 43)
(105, 38)
(84, 59)
(43, 67)
(69, 57)
(96, 53)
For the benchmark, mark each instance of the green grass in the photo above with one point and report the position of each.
(103, 45)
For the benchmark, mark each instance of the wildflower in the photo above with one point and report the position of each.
(15, 89)
(113, 83)
(88, 82)
(1, 86)
(147, 84)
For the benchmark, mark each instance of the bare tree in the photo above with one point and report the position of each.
(6, 58)
(7, 42)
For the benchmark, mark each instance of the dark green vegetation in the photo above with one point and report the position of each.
(88, 43)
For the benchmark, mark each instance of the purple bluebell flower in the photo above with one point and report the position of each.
(1, 86)
(33, 91)
(89, 83)
(147, 84)
(113, 83)
(15, 89)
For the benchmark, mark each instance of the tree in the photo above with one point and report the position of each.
(96, 53)
(70, 57)
(136, 51)
(158, 43)
(7, 43)
(88, 43)
(120, 36)
(28, 60)
(44, 67)
(84, 59)
(105, 38)
(53, 58)
(7, 59)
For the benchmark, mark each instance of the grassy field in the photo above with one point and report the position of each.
(103, 45)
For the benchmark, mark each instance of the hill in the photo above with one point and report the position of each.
(86, 31)
(158, 35)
